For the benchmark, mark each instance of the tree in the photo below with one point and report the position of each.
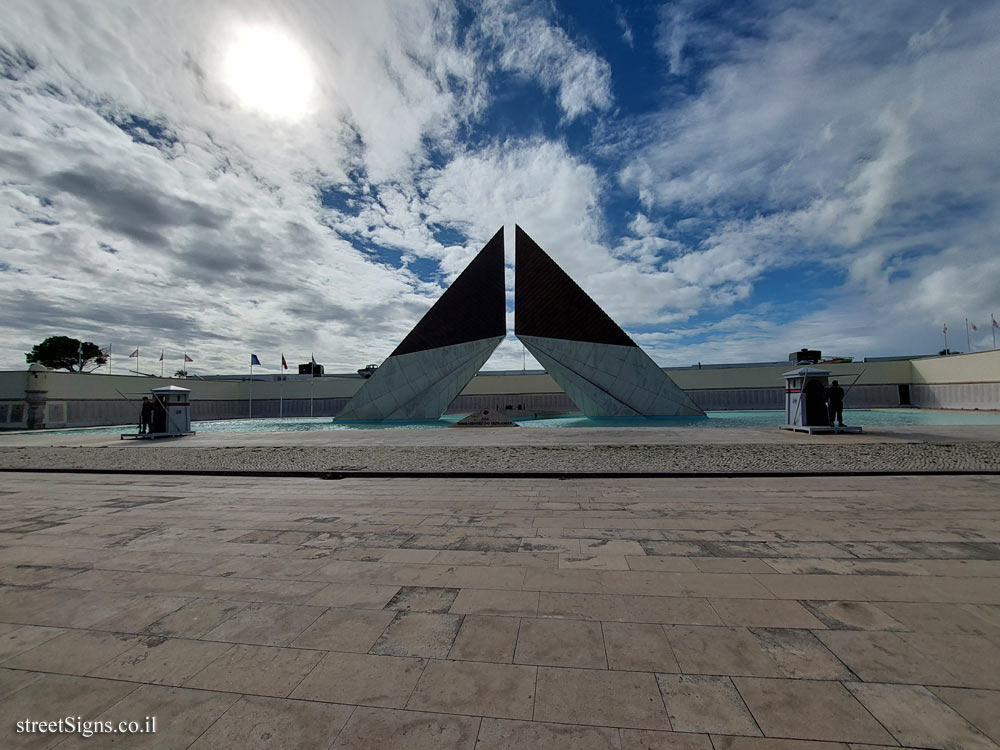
(65, 353)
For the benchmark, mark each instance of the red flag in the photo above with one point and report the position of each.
(135, 353)
(161, 355)
(284, 364)
(187, 358)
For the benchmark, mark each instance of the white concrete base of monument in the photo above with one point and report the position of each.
(486, 418)
(606, 380)
(419, 385)
(823, 429)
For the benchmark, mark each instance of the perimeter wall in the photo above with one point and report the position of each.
(964, 381)
(62, 399)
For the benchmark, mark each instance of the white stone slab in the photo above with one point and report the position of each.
(419, 385)
(624, 383)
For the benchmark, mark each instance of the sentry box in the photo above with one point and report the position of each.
(171, 414)
(805, 402)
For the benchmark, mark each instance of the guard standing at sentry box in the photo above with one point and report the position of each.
(146, 416)
(835, 400)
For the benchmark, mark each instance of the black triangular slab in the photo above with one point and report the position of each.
(474, 306)
(548, 303)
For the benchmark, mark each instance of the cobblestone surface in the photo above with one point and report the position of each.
(723, 458)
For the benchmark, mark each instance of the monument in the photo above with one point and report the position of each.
(446, 348)
(598, 365)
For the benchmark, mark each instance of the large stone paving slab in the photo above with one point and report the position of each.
(741, 614)
(255, 723)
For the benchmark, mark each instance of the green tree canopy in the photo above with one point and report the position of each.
(64, 353)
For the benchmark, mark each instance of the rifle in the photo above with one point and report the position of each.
(856, 378)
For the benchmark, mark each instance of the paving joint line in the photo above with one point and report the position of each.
(482, 474)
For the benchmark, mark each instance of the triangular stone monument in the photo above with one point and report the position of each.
(445, 350)
(598, 365)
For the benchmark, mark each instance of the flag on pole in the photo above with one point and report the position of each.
(187, 358)
(994, 321)
(161, 355)
(135, 353)
(254, 360)
(973, 326)
(281, 390)
(945, 329)
(312, 382)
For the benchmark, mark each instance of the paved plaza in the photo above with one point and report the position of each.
(688, 614)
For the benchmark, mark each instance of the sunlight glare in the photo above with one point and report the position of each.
(270, 72)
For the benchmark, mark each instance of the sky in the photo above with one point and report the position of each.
(730, 181)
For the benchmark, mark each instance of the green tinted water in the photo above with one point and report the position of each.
(863, 417)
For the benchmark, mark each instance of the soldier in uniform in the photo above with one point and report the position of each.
(835, 401)
(146, 416)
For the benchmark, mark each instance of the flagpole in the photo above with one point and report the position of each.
(161, 363)
(945, 332)
(109, 359)
(138, 370)
(251, 386)
(993, 329)
(968, 338)
(281, 388)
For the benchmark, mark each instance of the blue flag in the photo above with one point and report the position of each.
(254, 360)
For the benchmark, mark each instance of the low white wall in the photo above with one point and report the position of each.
(958, 381)
(977, 367)
(982, 396)
(750, 399)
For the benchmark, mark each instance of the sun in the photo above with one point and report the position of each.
(270, 72)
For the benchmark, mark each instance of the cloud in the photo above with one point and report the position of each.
(532, 45)
(124, 204)
(627, 36)
(782, 172)
(124, 134)
(826, 138)
(673, 35)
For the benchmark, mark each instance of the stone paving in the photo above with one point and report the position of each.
(690, 614)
